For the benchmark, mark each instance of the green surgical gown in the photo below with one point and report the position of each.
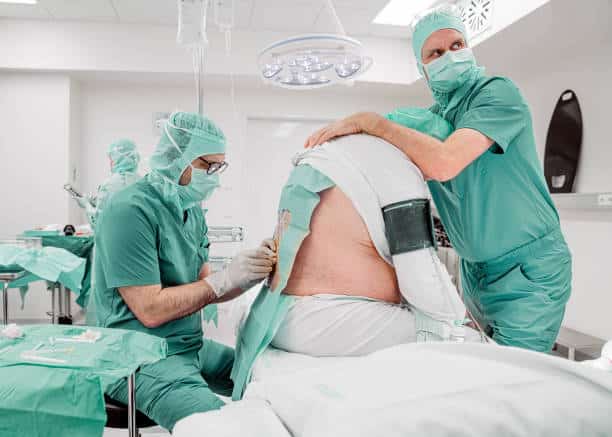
(498, 204)
(141, 241)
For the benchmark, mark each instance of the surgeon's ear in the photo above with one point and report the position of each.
(185, 178)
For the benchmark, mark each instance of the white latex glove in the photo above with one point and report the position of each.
(245, 270)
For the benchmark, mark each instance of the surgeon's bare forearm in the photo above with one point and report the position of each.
(427, 152)
(438, 160)
(154, 306)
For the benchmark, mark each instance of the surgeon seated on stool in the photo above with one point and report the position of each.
(152, 272)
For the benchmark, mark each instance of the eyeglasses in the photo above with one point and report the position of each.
(215, 167)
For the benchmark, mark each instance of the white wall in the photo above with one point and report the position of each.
(34, 149)
(74, 177)
(113, 110)
(589, 234)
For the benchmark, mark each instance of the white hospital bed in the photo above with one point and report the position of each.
(433, 389)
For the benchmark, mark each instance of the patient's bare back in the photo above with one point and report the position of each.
(338, 256)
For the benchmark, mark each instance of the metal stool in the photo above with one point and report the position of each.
(117, 416)
(120, 416)
(64, 317)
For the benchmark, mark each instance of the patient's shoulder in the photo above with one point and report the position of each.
(382, 163)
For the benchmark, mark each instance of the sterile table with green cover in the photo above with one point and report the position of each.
(77, 280)
(53, 378)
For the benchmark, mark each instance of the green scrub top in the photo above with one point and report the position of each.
(140, 241)
(115, 183)
(500, 201)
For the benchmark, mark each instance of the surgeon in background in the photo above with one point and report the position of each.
(488, 186)
(124, 159)
(152, 273)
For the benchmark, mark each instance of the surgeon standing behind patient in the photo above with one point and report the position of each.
(488, 186)
(152, 273)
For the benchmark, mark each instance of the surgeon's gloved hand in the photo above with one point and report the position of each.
(245, 270)
(88, 203)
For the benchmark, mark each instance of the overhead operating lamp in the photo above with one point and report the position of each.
(314, 60)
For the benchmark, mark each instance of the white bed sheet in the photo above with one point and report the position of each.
(433, 389)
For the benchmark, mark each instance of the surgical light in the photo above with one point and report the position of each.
(314, 60)
(402, 12)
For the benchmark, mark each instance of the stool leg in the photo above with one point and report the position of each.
(132, 428)
(64, 317)
(53, 304)
(67, 303)
(5, 303)
(60, 302)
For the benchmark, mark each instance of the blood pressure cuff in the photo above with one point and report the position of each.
(409, 225)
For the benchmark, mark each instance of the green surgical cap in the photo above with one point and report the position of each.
(186, 137)
(436, 20)
(124, 155)
(195, 136)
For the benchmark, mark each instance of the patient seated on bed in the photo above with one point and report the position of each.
(347, 298)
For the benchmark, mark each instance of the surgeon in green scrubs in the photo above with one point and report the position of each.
(487, 183)
(152, 272)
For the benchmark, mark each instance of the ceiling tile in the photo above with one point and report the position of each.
(147, 11)
(369, 6)
(358, 22)
(90, 10)
(23, 11)
(355, 23)
(380, 30)
(281, 15)
(166, 12)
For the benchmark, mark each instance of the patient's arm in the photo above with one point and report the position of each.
(426, 285)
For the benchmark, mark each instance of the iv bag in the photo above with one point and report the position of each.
(192, 22)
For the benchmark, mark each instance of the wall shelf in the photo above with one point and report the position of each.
(583, 201)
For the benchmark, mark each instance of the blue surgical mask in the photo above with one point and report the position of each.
(451, 70)
(199, 189)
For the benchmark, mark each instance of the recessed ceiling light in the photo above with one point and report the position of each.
(20, 2)
(402, 12)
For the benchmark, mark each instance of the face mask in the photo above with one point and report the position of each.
(199, 189)
(451, 70)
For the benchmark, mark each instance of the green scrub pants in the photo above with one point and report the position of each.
(182, 384)
(520, 297)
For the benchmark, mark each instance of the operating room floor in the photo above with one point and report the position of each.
(150, 432)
